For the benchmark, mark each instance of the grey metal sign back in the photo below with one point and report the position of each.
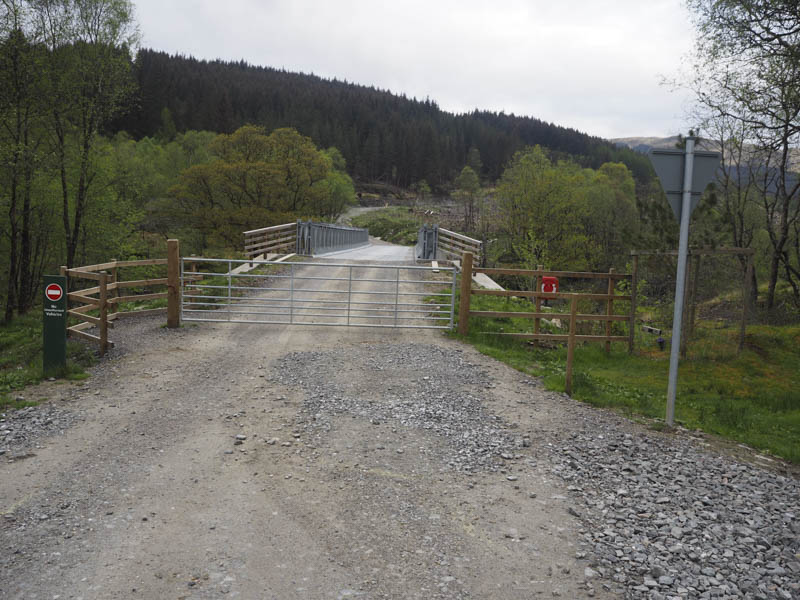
(669, 166)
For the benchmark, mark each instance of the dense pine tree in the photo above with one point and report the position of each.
(383, 136)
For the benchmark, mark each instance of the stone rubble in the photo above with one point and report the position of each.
(668, 520)
(21, 429)
(430, 398)
(664, 518)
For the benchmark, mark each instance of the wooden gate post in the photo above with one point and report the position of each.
(573, 313)
(466, 290)
(173, 284)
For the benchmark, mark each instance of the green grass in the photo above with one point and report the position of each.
(21, 358)
(752, 397)
(395, 225)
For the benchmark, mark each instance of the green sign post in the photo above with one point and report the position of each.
(54, 326)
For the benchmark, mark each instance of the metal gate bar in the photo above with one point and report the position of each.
(423, 298)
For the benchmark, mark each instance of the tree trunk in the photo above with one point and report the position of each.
(13, 267)
(27, 282)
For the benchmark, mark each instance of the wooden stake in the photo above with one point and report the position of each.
(634, 285)
(746, 290)
(609, 307)
(538, 303)
(466, 291)
(103, 314)
(114, 279)
(573, 311)
(173, 284)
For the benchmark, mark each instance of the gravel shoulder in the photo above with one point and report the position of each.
(369, 464)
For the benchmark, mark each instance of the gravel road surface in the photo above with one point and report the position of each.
(270, 461)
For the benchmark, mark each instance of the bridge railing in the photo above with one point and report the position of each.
(427, 240)
(435, 242)
(322, 238)
(270, 240)
(303, 238)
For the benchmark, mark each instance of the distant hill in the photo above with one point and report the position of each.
(384, 137)
(767, 178)
(645, 144)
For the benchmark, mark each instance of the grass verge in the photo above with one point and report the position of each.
(21, 358)
(752, 397)
(396, 225)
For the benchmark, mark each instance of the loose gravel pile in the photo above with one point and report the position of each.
(668, 520)
(20, 429)
(664, 518)
(425, 387)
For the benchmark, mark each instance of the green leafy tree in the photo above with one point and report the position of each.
(610, 219)
(468, 186)
(89, 46)
(747, 65)
(421, 191)
(21, 111)
(474, 161)
(255, 179)
(542, 210)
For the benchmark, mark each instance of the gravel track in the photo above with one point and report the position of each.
(274, 462)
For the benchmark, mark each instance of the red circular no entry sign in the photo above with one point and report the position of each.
(53, 292)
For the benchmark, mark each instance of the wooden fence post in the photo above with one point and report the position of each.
(609, 307)
(103, 284)
(573, 311)
(466, 290)
(113, 280)
(634, 286)
(748, 280)
(173, 284)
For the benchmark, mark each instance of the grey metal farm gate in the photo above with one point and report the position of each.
(317, 293)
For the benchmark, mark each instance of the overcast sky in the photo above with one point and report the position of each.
(594, 65)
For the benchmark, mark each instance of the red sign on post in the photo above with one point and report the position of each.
(549, 285)
(53, 292)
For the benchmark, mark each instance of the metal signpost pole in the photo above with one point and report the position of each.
(683, 175)
(683, 249)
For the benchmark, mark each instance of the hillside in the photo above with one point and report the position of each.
(383, 136)
(645, 144)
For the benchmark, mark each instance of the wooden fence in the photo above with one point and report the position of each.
(453, 244)
(572, 317)
(270, 239)
(104, 298)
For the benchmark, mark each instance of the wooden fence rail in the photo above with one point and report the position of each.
(453, 244)
(270, 239)
(572, 317)
(104, 298)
